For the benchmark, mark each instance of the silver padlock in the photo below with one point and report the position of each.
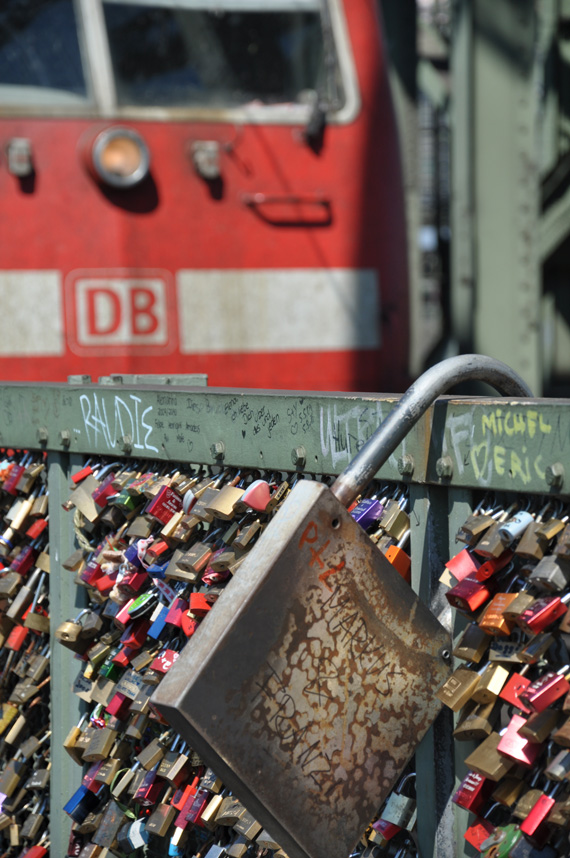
(400, 807)
(559, 768)
(552, 573)
(515, 526)
(316, 620)
(137, 836)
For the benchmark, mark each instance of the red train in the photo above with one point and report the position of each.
(201, 186)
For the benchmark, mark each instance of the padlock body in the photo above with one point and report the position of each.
(314, 592)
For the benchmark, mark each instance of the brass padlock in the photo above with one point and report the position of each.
(10, 583)
(162, 817)
(100, 745)
(91, 822)
(508, 791)
(230, 811)
(476, 722)
(531, 545)
(395, 520)
(247, 533)
(77, 636)
(152, 753)
(472, 644)
(82, 498)
(12, 775)
(221, 505)
(474, 526)
(487, 761)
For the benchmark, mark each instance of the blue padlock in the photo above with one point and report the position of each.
(82, 802)
(131, 554)
(158, 626)
(367, 512)
(156, 570)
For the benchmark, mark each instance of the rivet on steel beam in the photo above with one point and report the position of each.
(406, 465)
(42, 435)
(126, 443)
(554, 475)
(218, 450)
(444, 467)
(64, 437)
(299, 456)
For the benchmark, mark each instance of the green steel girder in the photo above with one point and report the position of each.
(496, 283)
(497, 444)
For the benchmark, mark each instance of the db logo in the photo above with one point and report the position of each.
(116, 310)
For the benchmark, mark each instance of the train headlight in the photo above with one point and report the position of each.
(120, 157)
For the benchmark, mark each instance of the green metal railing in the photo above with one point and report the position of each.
(459, 447)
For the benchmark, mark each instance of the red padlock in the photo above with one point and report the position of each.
(90, 777)
(546, 689)
(542, 613)
(13, 479)
(16, 638)
(24, 560)
(133, 582)
(189, 624)
(470, 594)
(123, 656)
(37, 851)
(135, 634)
(37, 528)
(386, 829)
(164, 660)
(533, 826)
(473, 792)
(492, 565)
(81, 474)
(463, 564)
(516, 747)
(199, 604)
(166, 504)
(119, 706)
(182, 795)
(104, 491)
(512, 690)
(198, 806)
(176, 611)
(122, 618)
(477, 833)
(150, 789)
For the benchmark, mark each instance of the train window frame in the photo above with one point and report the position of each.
(102, 103)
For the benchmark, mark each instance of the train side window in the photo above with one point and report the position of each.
(236, 52)
(40, 59)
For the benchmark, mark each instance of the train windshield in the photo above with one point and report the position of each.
(40, 58)
(214, 53)
(140, 54)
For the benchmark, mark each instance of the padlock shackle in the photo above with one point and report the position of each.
(414, 403)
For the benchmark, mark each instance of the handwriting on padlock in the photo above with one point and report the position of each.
(310, 536)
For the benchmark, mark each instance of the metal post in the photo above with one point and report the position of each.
(65, 602)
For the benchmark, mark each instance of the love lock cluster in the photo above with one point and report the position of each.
(155, 550)
(24, 657)
(512, 583)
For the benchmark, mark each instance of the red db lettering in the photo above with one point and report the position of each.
(103, 306)
(144, 320)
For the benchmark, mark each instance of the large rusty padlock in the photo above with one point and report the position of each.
(311, 683)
